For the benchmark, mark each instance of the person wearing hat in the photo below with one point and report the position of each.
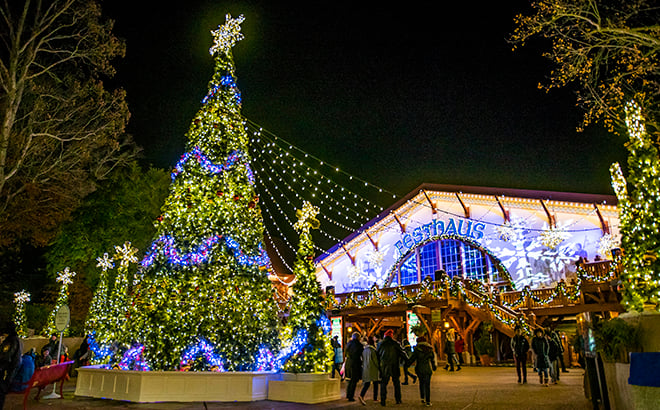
(541, 349)
(338, 357)
(354, 350)
(520, 347)
(390, 353)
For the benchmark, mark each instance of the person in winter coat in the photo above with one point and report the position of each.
(459, 347)
(338, 357)
(390, 353)
(370, 370)
(406, 370)
(541, 348)
(450, 350)
(24, 373)
(11, 350)
(520, 347)
(424, 356)
(354, 350)
(553, 356)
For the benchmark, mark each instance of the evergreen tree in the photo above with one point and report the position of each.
(307, 316)
(65, 278)
(204, 277)
(97, 317)
(20, 320)
(640, 215)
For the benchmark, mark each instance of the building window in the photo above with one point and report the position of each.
(450, 251)
(428, 259)
(409, 270)
(476, 265)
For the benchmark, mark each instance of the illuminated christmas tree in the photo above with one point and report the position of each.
(204, 279)
(65, 278)
(20, 319)
(307, 316)
(98, 320)
(639, 203)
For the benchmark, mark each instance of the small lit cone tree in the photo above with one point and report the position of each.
(204, 279)
(65, 278)
(307, 315)
(20, 319)
(96, 325)
(639, 204)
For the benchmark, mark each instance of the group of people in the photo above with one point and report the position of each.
(547, 351)
(17, 368)
(378, 363)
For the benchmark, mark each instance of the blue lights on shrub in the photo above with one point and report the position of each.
(203, 348)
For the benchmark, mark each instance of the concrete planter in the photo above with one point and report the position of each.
(309, 388)
(147, 387)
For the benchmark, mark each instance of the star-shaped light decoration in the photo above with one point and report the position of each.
(66, 276)
(126, 253)
(21, 297)
(552, 237)
(227, 35)
(307, 218)
(105, 262)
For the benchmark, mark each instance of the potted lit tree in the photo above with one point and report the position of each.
(484, 346)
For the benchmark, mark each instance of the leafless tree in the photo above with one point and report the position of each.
(608, 50)
(61, 130)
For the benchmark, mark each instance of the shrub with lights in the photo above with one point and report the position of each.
(307, 321)
(204, 277)
(20, 319)
(639, 207)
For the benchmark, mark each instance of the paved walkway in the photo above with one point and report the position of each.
(473, 388)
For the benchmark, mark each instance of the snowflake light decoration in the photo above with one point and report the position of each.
(105, 262)
(606, 243)
(227, 35)
(66, 276)
(505, 231)
(353, 272)
(552, 237)
(376, 258)
(126, 253)
(307, 218)
(21, 297)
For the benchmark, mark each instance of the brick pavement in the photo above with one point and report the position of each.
(472, 388)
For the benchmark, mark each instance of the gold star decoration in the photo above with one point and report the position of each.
(227, 35)
(307, 218)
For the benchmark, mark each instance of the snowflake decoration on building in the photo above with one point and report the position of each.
(606, 243)
(126, 253)
(21, 297)
(505, 231)
(552, 236)
(376, 257)
(66, 276)
(353, 272)
(227, 35)
(105, 262)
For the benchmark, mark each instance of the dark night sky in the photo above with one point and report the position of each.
(396, 96)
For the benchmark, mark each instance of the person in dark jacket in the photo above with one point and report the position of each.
(406, 371)
(11, 350)
(370, 370)
(424, 356)
(353, 355)
(390, 353)
(541, 348)
(24, 373)
(338, 357)
(553, 356)
(520, 347)
(450, 350)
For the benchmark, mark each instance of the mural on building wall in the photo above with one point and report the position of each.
(531, 251)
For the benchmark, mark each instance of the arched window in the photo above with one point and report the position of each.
(455, 257)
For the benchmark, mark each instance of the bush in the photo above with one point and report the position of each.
(483, 345)
(615, 338)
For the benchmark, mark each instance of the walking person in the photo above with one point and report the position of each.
(424, 356)
(520, 347)
(370, 370)
(553, 356)
(450, 351)
(11, 350)
(390, 353)
(406, 370)
(541, 348)
(459, 347)
(338, 358)
(354, 350)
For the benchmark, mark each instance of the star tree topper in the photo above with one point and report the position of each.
(307, 218)
(227, 35)
(66, 276)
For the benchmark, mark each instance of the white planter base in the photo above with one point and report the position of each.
(309, 388)
(148, 387)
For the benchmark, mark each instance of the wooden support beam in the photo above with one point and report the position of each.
(466, 208)
(376, 325)
(357, 326)
(433, 211)
(327, 272)
(371, 240)
(505, 213)
(401, 225)
(552, 222)
(426, 325)
(348, 254)
(604, 226)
